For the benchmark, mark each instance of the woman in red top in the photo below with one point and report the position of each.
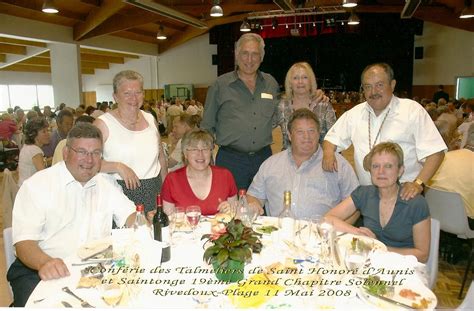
(199, 183)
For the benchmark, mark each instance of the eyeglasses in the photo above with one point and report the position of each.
(84, 153)
(197, 150)
(129, 94)
(369, 87)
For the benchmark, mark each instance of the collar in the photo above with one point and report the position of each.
(317, 156)
(66, 177)
(235, 76)
(393, 105)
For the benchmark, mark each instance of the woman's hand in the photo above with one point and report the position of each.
(224, 207)
(131, 179)
(365, 231)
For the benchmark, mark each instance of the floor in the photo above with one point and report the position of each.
(446, 289)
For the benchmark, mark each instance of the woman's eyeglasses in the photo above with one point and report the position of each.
(197, 150)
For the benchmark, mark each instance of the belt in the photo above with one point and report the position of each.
(251, 153)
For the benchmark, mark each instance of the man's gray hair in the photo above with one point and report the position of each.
(250, 37)
(128, 75)
(83, 130)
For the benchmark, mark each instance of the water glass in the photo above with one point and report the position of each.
(355, 259)
(193, 214)
(303, 231)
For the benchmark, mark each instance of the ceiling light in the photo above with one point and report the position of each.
(161, 34)
(49, 7)
(353, 19)
(349, 3)
(245, 27)
(216, 10)
(274, 23)
(286, 26)
(468, 11)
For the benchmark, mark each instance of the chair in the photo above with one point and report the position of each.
(448, 208)
(9, 190)
(432, 262)
(468, 302)
(9, 251)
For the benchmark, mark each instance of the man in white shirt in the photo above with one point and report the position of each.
(385, 117)
(298, 169)
(60, 209)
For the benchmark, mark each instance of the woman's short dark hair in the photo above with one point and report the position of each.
(32, 129)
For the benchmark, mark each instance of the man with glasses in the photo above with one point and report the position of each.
(385, 117)
(61, 208)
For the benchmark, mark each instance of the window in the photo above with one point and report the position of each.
(26, 96)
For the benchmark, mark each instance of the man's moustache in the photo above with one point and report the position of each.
(375, 96)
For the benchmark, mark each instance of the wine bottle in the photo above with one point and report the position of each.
(141, 227)
(161, 229)
(286, 219)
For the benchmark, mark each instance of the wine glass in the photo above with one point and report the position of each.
(325, 231)
(111, 293)
(355, 259)
(303, 231)
(193, 214)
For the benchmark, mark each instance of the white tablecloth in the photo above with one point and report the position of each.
(187, 282)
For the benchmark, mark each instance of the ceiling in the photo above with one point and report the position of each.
(95, 18)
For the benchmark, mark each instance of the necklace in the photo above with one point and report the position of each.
(378, 133)
(124, 120)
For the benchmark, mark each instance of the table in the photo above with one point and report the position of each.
(187, 282)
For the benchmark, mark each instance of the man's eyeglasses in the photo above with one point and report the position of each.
(197, 150)
(84, 153)
(369, 87)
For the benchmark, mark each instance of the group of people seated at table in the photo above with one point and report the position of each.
(119, 161)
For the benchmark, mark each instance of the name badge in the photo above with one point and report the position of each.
(267, 96)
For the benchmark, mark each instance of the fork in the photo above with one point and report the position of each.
(84, 303)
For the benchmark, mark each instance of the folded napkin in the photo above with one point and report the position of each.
(94, 247)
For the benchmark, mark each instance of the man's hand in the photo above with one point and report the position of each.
(410, 190)
(131, 179)
(225, 207)
(53, 269)
(257, 207)
(329, 162)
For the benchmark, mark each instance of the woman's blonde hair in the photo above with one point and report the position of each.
(289, 75)
(195, 136)
(385, 147)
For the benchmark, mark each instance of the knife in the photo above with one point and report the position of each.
(97, 253)
(66, 304)
(401, 304)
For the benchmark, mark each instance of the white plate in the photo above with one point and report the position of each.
(417, 287)
(345, 242)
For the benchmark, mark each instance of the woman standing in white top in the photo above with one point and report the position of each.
(31, 157)
(132, 147)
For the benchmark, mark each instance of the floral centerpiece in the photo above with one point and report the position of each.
(232, 245)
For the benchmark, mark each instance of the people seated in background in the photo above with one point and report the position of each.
(463, 130)
(199, 183)
(299, 169)
(440, 93)
(7, 129)
(301, 92)
(64, 122)
(449, 133)
(61, 208)
(174, 110)
(58, 152)
(456, 174)
(385, 117)
(182, 124)
(31, 157)
(20, 120)
(403, 226)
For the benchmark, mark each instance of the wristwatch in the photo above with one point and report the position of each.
(419, 182)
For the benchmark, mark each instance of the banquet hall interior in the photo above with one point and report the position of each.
(73, 54)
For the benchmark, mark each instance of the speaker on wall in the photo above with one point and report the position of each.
(419, 52)
(215, 59)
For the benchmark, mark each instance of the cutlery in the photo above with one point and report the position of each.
(94, 261)
(400, 304)
(84, 303)
(300, 229)
(97, 253)
(66, 304)
(38, 300)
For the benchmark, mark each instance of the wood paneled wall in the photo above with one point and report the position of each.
(427, 91)
(89, 99)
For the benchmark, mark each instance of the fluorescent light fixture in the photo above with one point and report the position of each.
(353, 19)
(49, 7)
(245, 27)
(410, 8)
(216, 10)
(467, 12)
(285, 5)
(161, 34)
(349, 3)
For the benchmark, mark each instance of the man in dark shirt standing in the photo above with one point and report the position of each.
(240, 109)
(440, 94)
